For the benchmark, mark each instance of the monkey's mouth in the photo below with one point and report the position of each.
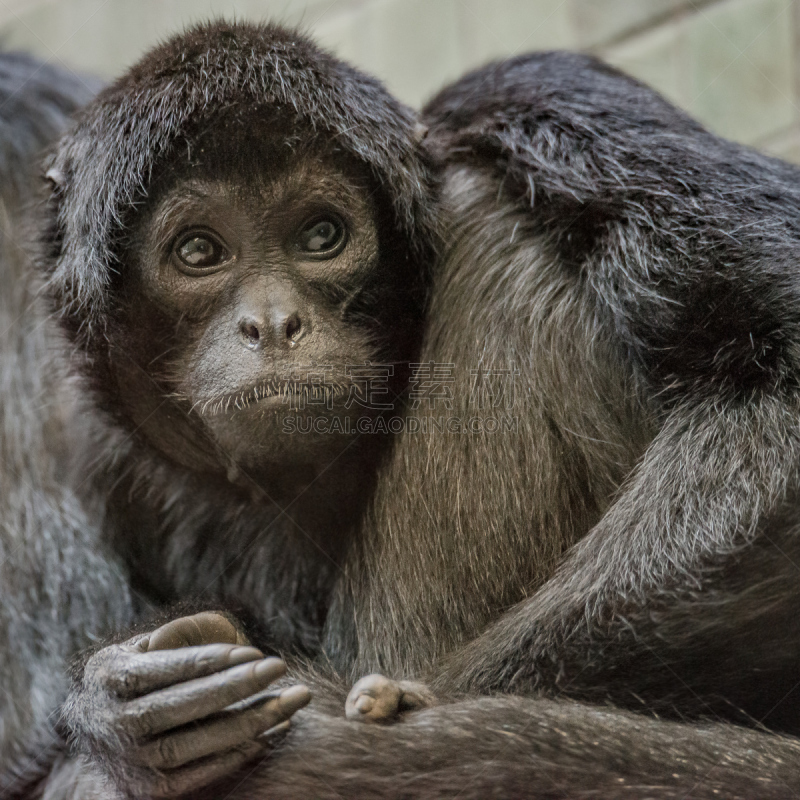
(293, 394)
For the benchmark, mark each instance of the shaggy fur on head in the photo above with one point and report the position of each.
(105, 164)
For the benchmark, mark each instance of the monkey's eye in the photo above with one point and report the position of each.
(322, 237)
(199, 252)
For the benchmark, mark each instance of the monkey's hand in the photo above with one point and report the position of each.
(379, 699)
(169, 712)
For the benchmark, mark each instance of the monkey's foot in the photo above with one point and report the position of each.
(379, 699)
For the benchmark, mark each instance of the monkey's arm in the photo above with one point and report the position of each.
(683, 571)
(515, 747)
(683, 247)
(58, 591)
(501, 746)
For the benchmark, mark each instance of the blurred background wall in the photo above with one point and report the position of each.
(732, 63)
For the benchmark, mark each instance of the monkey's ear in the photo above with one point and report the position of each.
(55, 174)
(56, 178)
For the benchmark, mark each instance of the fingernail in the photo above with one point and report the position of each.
(241, 655)
(294, 697)
(270, 668)
(252, 748)
(276, 729)
(365, 704)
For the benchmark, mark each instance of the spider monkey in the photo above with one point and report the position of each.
(259, 260)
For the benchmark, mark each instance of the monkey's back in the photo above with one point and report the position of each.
(688, 242)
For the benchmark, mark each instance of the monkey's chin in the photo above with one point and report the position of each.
(271, 432)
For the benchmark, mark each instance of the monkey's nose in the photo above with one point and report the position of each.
(283, 329)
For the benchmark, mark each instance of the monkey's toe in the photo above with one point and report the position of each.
(374, 698)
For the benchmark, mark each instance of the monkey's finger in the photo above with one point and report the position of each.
(190, 779)
(223, 733)
(208, 627)
(199, 698)
(374, 698)
(133, 674)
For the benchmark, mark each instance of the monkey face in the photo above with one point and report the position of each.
(249, 301)
(235, 213)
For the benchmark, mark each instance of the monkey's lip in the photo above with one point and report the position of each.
(273, 394)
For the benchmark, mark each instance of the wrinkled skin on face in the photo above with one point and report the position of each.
(263, 294)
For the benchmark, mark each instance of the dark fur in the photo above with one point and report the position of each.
(513, 747)
(48, 546)
(680, 249)
(638, 273)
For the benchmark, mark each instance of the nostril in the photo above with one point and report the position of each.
(250, 332)
(293, 327)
